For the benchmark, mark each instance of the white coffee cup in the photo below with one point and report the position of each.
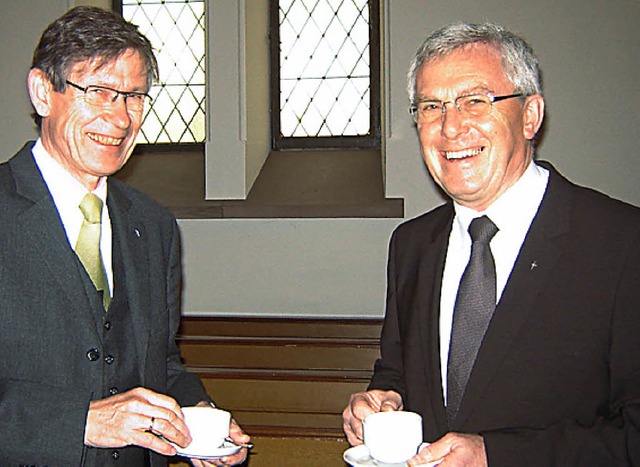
(393, 437)
(208, 427)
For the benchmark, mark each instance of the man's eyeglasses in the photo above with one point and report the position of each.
(471, 106)
(102, 96)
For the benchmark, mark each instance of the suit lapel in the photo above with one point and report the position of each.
(431, 268)
(539, 253)
(130, 235)
(41, 224)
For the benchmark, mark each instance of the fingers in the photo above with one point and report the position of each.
(237, 435)
(136, 417)
(164, 411)
(352, 417)
(362, 404)
(171, 428)
(158, 400)
(391, 402)
(453, 449)
(425, 456)
(238, 458)
(383, 400)
(235, 459)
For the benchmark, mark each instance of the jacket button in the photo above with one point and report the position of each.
(115, 455)
(107, 325)
(109, 359)
(93, 355)
(113, 391)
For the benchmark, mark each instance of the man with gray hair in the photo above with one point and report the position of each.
(513, 311)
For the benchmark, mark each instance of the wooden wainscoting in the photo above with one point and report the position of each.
(286, 381)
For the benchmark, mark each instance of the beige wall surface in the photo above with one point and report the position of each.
(20, 30)
(318, 267)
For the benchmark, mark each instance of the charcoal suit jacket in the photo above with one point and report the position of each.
(48, 375)
(557, 378)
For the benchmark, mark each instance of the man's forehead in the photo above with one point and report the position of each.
(473, 68)
(96, 64)
(489, 52)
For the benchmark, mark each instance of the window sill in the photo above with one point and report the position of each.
(292, 184)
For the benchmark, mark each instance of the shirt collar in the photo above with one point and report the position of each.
(516, 206)
(62, 185)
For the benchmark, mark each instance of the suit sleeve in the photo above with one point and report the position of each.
(614, 438)
(185, 387)
(388, 369)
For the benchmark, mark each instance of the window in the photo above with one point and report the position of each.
(176, 28)
(325, 73)
(235, 173)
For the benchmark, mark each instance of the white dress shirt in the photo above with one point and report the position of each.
(67, 193)
(512, 213)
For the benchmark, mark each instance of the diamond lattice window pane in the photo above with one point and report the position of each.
(177, 31)
(324, 68)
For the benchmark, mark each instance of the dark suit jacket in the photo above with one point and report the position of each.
(47, 328)
(557, 378)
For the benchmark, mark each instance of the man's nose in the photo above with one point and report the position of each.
(118, 112)
(453, 122)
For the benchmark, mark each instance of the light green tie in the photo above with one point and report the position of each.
(88, 245)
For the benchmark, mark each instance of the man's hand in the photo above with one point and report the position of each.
(362, 404)
(238, 437)
(455, 450)
(137, 417)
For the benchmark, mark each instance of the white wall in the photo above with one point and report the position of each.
(20, 30)
(588, 51)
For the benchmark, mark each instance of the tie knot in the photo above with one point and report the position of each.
(91, 207)
(482, 229)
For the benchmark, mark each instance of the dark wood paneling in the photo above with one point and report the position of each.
(282, 377)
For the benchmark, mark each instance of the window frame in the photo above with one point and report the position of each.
(373, 139)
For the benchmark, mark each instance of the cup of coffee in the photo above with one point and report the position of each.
(208, 427)
(392, 437)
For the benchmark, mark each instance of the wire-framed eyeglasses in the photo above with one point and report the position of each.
(103, 96)
(471, 106)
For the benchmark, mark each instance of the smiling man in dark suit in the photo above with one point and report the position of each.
(90, 373)
(534, 360)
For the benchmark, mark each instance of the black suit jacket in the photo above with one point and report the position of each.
(557, 378)
(47, 327)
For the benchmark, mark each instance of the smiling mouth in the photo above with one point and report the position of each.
(455, 155)
(105, 140)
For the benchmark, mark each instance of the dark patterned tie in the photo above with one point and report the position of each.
(475, 303)
(88, 245)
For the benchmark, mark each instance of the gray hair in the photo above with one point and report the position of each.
(519, 62)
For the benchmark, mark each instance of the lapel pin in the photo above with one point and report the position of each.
(534, 265)
(137, 233)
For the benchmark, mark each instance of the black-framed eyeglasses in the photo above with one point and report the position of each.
(471, 106)
(103, 96)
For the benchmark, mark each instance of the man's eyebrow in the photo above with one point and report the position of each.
(111, 87)
(480, 89)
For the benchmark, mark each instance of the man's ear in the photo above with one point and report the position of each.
(40, 89)
(533, 115)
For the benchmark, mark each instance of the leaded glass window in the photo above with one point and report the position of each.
(176, 28)
(326, 72)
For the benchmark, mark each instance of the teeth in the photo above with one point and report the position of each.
(106, 140)
(462, 154)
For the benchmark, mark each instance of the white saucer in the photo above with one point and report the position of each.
(226, 449)
(358, 456)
